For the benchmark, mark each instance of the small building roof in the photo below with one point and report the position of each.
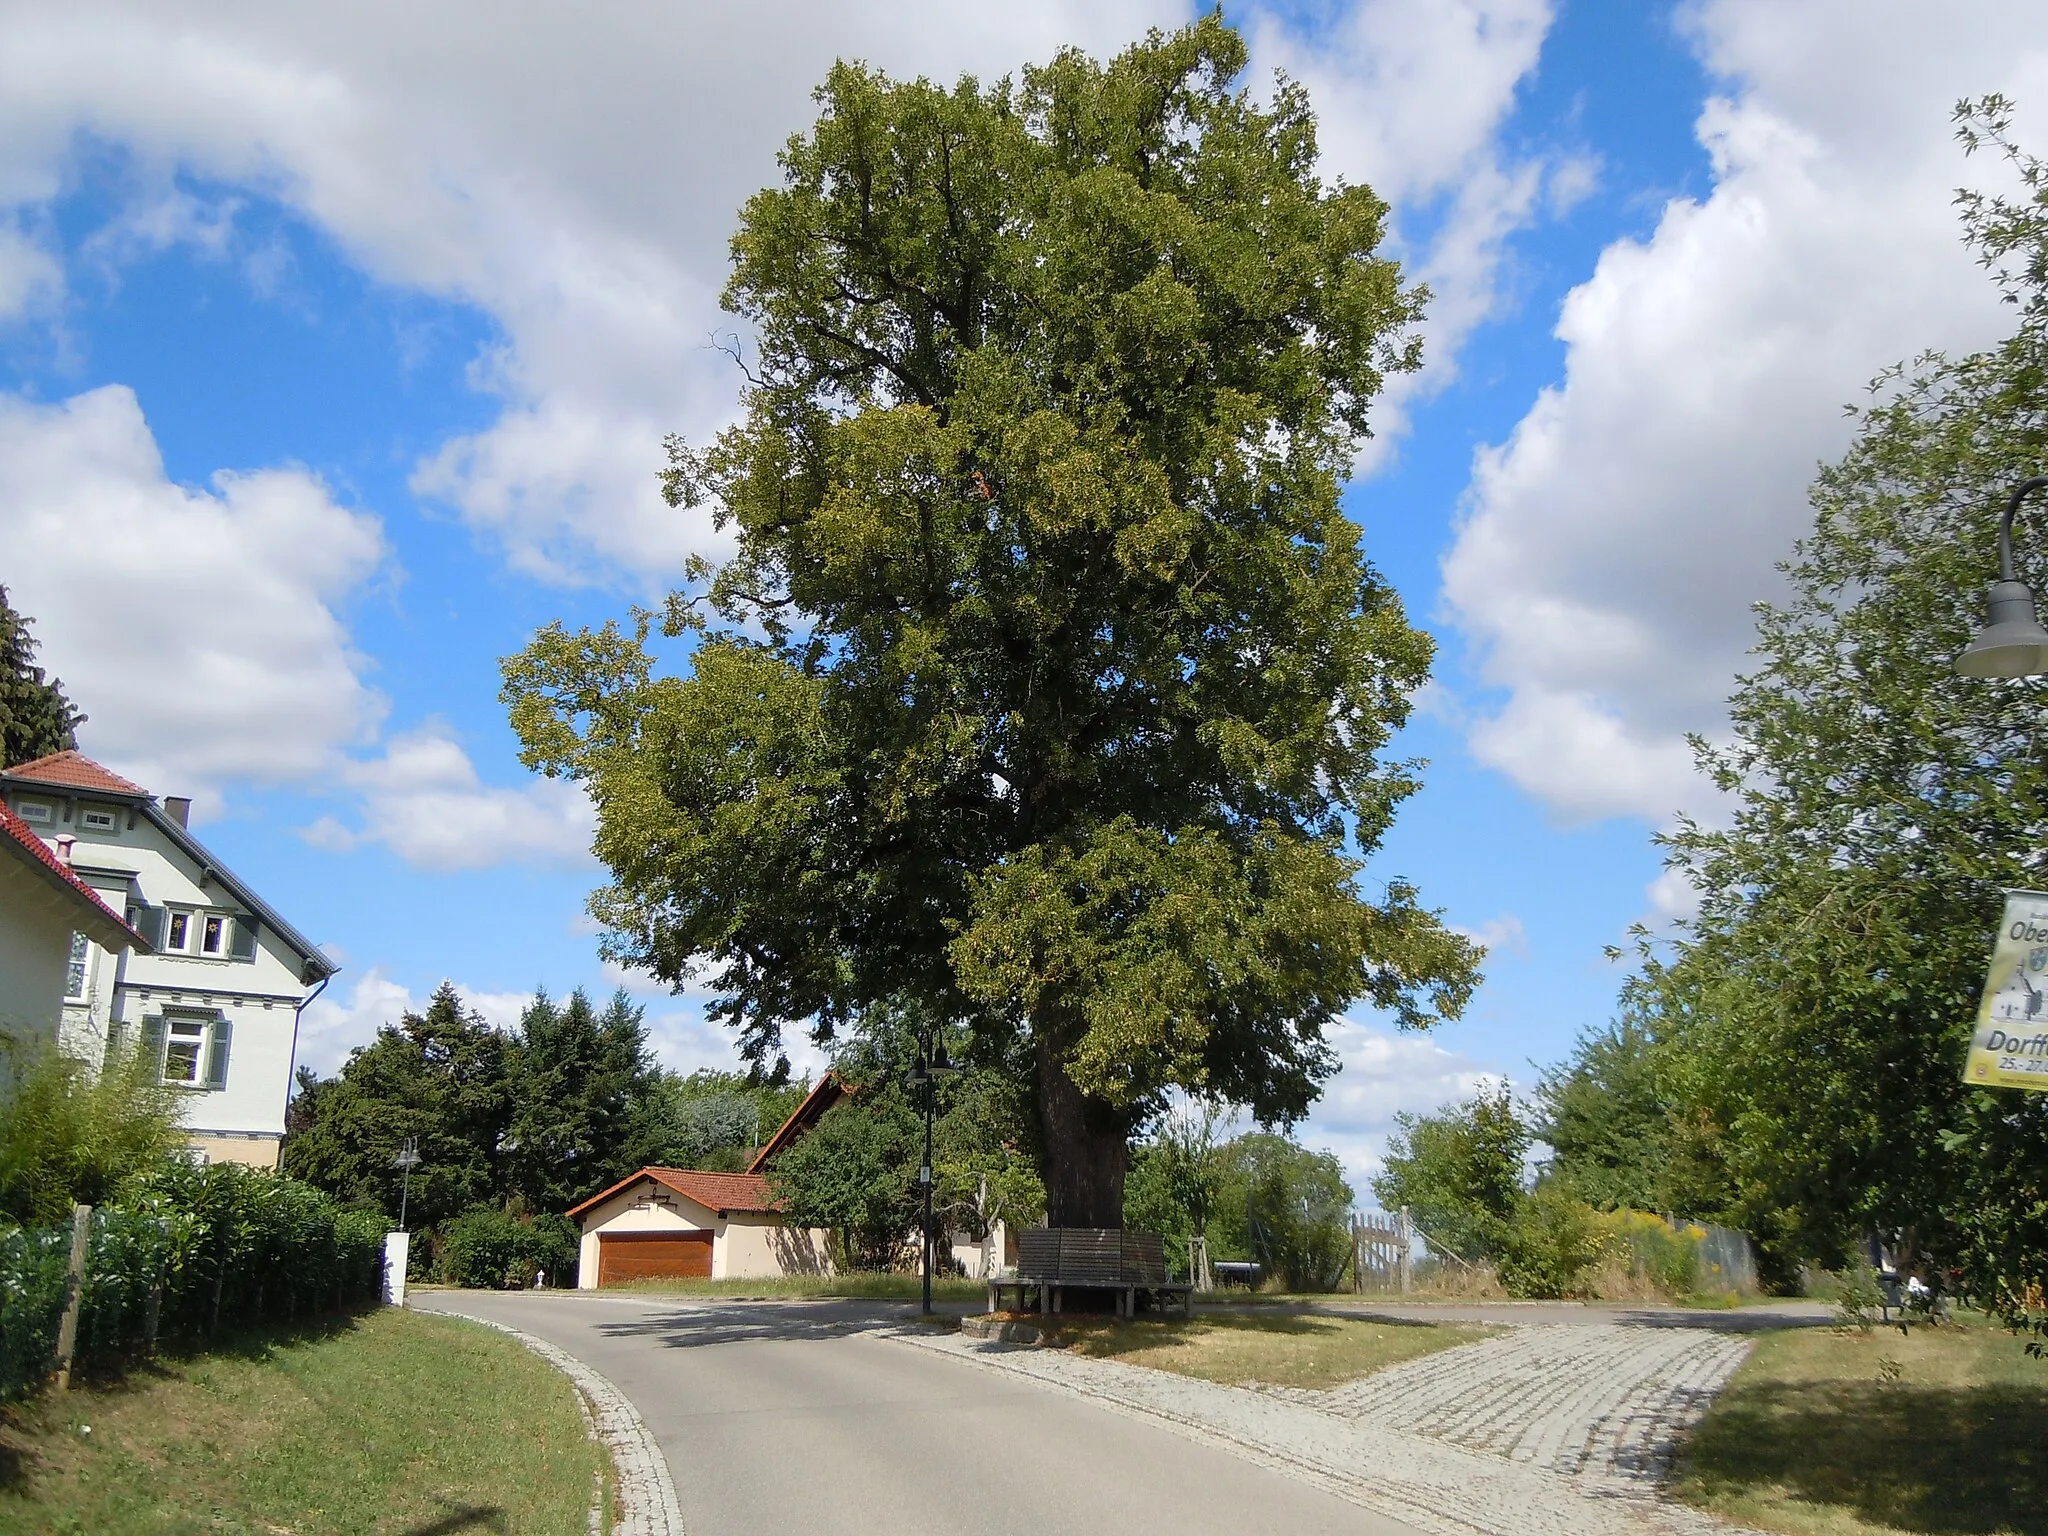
(720, 1192)
(74, 770)
(94, 918)
(807, 1114)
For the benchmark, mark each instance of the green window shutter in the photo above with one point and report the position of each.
(155, 1037)
(242, 942)
(217, 1038)
(149, 922)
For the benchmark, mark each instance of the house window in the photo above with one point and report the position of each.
(95, 820)
(76, 969)
(178, 931)
(184, 1048)
(213, 933)
(36, 811)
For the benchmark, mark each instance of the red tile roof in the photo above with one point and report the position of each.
(74, 770)
(37, 851)
(719, 1192)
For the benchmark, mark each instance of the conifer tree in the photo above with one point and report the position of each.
(36, 718)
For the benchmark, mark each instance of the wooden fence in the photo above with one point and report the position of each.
(1382, 1251)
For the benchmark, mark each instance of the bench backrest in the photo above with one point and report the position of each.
(1105, 1256)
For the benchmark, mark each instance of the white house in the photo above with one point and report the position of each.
(680, 1224)
(216, 995)
(48, 919)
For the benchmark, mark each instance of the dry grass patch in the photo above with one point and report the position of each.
(1262, 1349)
(1825, 1433)
(390, 1424)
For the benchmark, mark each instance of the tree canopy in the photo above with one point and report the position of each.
(36, 718)
(1047, 684)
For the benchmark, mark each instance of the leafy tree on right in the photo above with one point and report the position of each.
(1805, 1040)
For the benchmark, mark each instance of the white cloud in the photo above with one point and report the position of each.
(329, 1028)
(1503, 935)
(31, 278)
(424, 800)
(196, 627)
(1383, 1074)
(1410, 98)
(1613, 545)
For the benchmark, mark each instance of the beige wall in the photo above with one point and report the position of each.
(250, 1151)
(757, 1246)
(35, 947)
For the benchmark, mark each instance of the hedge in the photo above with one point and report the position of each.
(184, 1249)
(487, 1248)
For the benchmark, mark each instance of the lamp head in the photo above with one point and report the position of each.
(2013, 643)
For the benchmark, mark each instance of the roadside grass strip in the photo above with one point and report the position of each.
(387, 1423)
(1284, 1350)
(1836, 1433)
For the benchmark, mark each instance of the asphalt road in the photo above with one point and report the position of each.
(779, 1418)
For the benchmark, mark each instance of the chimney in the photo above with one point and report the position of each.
(179, 809)
(64, 847)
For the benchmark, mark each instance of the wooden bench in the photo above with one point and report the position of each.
(1054, 1260)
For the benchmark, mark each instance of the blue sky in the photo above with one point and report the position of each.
(336, 352)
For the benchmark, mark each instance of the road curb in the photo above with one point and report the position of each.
(648, 1505)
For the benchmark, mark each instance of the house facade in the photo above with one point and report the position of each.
(48, 919)
(214, 993)
(683, 1224)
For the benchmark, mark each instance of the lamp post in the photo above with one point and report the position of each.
(931, 1066)
(408, 1158)
(2012, 643)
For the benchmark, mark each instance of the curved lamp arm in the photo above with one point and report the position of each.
(2012, 507)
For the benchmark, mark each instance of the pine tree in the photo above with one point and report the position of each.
(35, 717)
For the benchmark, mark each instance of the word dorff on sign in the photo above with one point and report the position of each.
(2010, 1046)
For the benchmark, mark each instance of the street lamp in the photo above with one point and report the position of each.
(2013, 643)
(931, 1066)
(408, 1158)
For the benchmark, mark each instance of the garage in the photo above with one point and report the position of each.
(625, 1256)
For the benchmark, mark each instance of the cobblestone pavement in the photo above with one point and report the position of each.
(1594, 1401)
(1548, 1436)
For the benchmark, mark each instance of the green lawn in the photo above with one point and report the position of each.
(1844, 1434)
(1242, 1349)
(393, 1424)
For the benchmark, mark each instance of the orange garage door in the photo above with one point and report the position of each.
(623, 1256)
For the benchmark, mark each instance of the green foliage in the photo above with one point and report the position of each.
(185, 1247)
(1667, 1256)
(1460, 1173)
(1297, 1210)
(711, 1120)
(1606, 1119)
(1552, 1240)
(71, 1136)
(35, 717)
(1809, 1031)
(572, 1079)
(490, 1249)
(438, 1077)
(1052, 683)
(855, 1175)
(1178, 1179)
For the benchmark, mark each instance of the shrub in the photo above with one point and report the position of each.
(493, 1250)
(69, 1135)
(1667, 1257)
(183, 1250)
(1296, 1210)
(1552, 1243)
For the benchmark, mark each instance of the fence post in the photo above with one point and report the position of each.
(1407, 1251)
(74, 1293)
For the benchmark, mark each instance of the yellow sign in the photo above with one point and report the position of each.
(2010, 1048)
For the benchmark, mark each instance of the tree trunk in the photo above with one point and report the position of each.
(1085, 1149)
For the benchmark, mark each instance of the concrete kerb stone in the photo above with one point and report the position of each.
(648, 1505)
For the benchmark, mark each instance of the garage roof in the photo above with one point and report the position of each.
(720, 1192)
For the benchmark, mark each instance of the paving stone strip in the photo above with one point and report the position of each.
(648, 1505)
(1600, 1401)
(1435, 1484)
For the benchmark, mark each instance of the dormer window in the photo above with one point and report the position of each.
(213, 934)
(97, 818)
(38, 812)
(178, 932)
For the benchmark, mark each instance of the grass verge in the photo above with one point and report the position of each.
(390, 1424)
(1825, 1433)
(1239, 1349)
(811, 1288)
